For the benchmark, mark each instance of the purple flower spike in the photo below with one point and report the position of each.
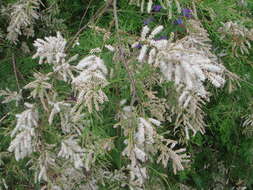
(156, 8)
(187, 13)
(161, 38)
(178, 21)
(148, 20)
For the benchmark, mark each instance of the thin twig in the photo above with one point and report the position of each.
(132, 80)
(15, 70)
(85, 12)
(115, 15)
(99, 13)
(235, 77)
(48, 8)
(123, 59)
(4, 117)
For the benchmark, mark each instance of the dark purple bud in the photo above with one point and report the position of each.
(138, 46)
(148, 20)
(71, 98)
(161, 38)
(156, 8)
(178, 21)
(187, 13)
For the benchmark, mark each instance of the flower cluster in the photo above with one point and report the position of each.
(45, 162)
(10, 96)
(248, 125)
(180, 61)
(239, 35)
(90, 81)
(87, 79)
(23, 144)
(141, 3)
(142, 142)
(23, 13)
(166, 4)
(40, 87)
(72, 151)
(51, 49)
(187, 62)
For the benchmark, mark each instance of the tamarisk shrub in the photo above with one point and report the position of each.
(116, 117)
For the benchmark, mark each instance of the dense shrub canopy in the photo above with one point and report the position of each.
(126, 94)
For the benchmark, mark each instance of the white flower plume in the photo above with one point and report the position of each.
(142, 142)
(90, 81)
(57, 107)
(10, 96)
(241, 36)
(22, 145)
(28, 119)
(179, 62)
(72, 151)
(147, 5)
(46, 160)
(51, 49)
(166, 149)
(23, 14)
(142, 3)
(40, 87)
(189, 63)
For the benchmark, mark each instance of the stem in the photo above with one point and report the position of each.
(115, 15)
(4, 117)
(133, 82)
(85, 12)
(15, 71)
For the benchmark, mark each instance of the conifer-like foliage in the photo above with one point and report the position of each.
(126, 94)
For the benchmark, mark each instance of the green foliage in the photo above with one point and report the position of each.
(224, 143)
